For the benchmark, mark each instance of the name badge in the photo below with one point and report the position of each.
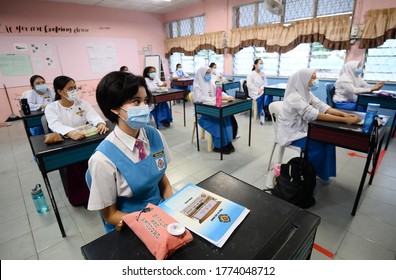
(80, 112)
(158, 154)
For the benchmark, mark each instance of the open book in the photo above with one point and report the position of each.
(87, 129)
(208, 215)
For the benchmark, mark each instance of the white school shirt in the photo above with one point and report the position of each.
(107, 181)
(63, 120)
(35, 100)
(153, 85)
(254, 82)
(296, 113)
(347, 91)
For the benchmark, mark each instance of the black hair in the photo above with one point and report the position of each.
(146, 71)
(212, 64)
(59, 84)
(34, 78)
(115, 89)
(255, 62)
(124, 68)
(177, 65)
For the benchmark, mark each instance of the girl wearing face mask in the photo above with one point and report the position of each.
(162, 113)
(256, 81)
(351, 83)
(205, 91)
(179, 73)
(300, 106)
(123, 179)
(216, 76)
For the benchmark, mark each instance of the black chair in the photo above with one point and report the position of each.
(330, 90)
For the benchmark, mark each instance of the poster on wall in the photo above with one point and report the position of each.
(102, 57)
(43, 56)
(15, 64)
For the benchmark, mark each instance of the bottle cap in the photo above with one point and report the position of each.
(36, 189)
(176, 229)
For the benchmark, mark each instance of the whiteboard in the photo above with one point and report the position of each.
(70, 56)
(155, 61)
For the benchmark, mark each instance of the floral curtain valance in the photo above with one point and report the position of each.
(380, 25)
(333, 32)
(191, 45)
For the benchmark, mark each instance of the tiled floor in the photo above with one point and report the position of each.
(371, 234)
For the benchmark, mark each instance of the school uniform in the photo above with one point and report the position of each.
(161, 112)
(206, 92)
(35, 101)
(119, 177)
(63, 120)
(300, 106)
(347, 86)
(254, 82)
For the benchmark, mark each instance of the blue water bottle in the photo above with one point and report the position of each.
(372, 111)
(39, 199)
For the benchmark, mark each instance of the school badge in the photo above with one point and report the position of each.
(160, 163)
(224, 218)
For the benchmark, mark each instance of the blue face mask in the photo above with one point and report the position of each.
(260, 67)
(358, 71)
(138, 116)
(180, 69)
(208, 77)
(315, 84)
(153, 75)
(41, 88)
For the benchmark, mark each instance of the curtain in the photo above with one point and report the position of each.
(380, 25)
(191, 45)
(333, 32)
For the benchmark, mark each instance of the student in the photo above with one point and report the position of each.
(299, 107)
(124, 177)
(179, 73)
(38, 98)
(205, 91)
(124, 69)
(256, 81)
(349, 84)
(216, 76)
(162, 113)
(63, 116)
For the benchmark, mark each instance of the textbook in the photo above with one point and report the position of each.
(208, 215)
(87, 129)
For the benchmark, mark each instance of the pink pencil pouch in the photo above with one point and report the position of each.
(161, 233)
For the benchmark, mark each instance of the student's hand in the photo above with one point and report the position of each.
(164, 84)
(76, 135)
(101, 128)
(230, 98)
(378, 86)
(42, 107)
(260, 91)
(351, 119)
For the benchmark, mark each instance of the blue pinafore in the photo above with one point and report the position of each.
(143, 177)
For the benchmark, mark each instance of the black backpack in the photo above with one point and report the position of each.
(296, 182)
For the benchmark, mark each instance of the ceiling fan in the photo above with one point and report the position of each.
(274, 6)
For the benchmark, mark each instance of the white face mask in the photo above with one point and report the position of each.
(73, 95)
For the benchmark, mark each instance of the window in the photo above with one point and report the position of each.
(380, 62)
(192, 63)
(185, 27)
(327, 63)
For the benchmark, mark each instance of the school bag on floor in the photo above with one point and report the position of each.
(296, 182)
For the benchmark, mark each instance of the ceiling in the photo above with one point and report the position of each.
(150, 6)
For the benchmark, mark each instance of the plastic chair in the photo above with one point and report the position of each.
(275, 108)
(254, 101)
(209, 138)
(330, 90)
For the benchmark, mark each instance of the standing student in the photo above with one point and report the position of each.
(349, 84)
(256, 81)
(38, 98)
(300, 106)
(63, 116)
(205, 91)
(127, 171)
(162, 113)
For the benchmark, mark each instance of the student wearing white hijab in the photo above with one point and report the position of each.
(351, 83)
(205, 91)
(300, 106)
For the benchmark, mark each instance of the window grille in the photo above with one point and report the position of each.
(185, 27)
(380, 62)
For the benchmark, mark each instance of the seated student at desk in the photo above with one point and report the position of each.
(127, 170)
(216, 76)
(205, 91)
(349, 84)
(256, 81)
(300, 106)
(162, 113)
(38, 98)
(180, 74)
(63, 116)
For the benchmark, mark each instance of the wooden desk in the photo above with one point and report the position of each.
(171, 94)
(274, 229)
(385, 103)
(227, 109)
(275, 90)
(55, 156)
(349, 137)
(182, 82)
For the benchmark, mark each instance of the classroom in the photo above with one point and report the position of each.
(255, 53)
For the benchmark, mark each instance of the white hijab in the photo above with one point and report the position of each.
(200, 82)
(298, 83)
(347, 74)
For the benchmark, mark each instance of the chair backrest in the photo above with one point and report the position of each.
(44, 123)
(330, 90)
(275, 108)
(190, 97)
(245, 88)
